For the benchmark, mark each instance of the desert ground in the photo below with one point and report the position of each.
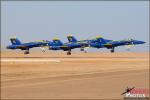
(55, 75)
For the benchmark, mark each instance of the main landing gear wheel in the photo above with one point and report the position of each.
(26, 52)
(69, 53)
(112, 50)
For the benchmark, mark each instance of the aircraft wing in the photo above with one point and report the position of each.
(33, 44)
(22, 47)
(67, 47)
(114, 44)
(108, 45)
(64, 47)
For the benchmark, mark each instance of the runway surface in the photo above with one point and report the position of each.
(29, 60)
(55, 75)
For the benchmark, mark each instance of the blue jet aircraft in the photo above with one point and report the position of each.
(72, 39)
(58, 45)
(100, 42)
(16, 44)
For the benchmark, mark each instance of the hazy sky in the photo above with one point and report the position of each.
(44, 20)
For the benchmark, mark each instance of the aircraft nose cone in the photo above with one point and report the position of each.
(142, 42)
(139, 42)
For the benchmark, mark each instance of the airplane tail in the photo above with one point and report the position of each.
(71, 38)
(101, 40)
(57, 41)
(15, 41)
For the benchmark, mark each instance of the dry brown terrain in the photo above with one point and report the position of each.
(54, 75)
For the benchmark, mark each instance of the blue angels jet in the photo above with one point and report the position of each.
(58, 45)
(72, 39)
(111, 44)
(16, 44)
(100, 42)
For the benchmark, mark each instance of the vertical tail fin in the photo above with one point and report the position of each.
(71, 38)
(100, 40)
(57, 41)
(15, 41)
